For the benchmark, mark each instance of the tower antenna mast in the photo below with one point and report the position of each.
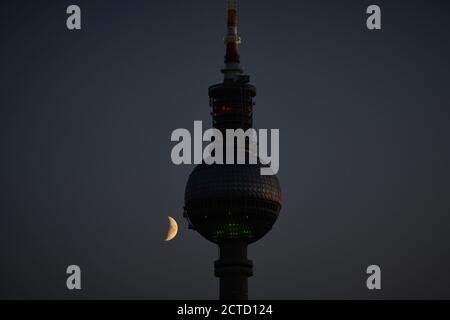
(232, 42)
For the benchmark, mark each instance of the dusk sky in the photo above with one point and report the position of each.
(86, 117)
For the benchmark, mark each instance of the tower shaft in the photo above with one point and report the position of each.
(233, 269)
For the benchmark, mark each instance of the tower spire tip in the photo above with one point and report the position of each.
(232, 42)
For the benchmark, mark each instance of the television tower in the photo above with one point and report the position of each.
(232, 205)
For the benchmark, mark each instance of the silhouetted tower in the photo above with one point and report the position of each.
(232, 205)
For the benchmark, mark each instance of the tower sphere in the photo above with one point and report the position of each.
(232, 202)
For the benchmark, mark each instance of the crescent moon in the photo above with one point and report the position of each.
(173, 230)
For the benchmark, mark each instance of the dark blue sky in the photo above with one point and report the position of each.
(85, 124)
